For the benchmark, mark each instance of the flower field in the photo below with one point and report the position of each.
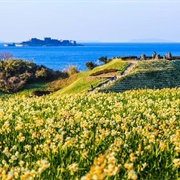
(130, 135)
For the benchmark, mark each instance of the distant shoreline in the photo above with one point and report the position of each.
(33, 42)
(83, 43)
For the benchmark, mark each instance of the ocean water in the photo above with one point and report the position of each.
(58, 58)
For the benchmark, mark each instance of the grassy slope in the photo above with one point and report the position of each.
(77, 83)
(83, 81)
(152, 66)
(149, 74)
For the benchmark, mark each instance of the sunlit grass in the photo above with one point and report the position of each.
(82, 82)
(153, 65)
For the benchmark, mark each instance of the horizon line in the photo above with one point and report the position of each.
(133, 42)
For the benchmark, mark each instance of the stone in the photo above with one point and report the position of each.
(168, 56)
(143, 57)
(157, 57)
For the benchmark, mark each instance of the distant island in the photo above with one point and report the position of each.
(46, 42)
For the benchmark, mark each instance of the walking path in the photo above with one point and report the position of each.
(113, 77)
(129, 68)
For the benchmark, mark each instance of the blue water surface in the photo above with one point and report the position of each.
(62, 57)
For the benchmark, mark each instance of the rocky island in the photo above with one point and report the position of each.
(46, 42)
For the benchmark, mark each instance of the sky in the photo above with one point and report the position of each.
(90, 20)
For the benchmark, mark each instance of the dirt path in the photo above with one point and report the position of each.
(114, 76)
(129, 68)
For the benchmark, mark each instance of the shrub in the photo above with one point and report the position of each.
(72, 70)
(42, 73)
(103, 59)
(12, 84)
(14, 74)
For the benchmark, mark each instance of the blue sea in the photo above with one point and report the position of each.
(58, 58)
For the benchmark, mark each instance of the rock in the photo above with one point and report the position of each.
(157, 57)
(143, 57)
(154, 55)
(168, 56)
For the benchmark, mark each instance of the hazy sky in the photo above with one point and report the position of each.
(90, 20)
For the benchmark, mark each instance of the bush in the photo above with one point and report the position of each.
(72, 70)
(14, 74)
(103, 59)
(42, 73)
(90, 65)
(12, 84)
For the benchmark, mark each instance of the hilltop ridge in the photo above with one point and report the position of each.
(151, 74)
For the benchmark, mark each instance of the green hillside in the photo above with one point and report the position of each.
(83, 80)
(150, 74)
(71, 135)
(143, 74)
(25, 77)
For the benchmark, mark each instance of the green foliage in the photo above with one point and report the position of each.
(42, 73)
(104, 59)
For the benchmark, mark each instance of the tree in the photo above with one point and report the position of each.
(104, 59)
(90, 65)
